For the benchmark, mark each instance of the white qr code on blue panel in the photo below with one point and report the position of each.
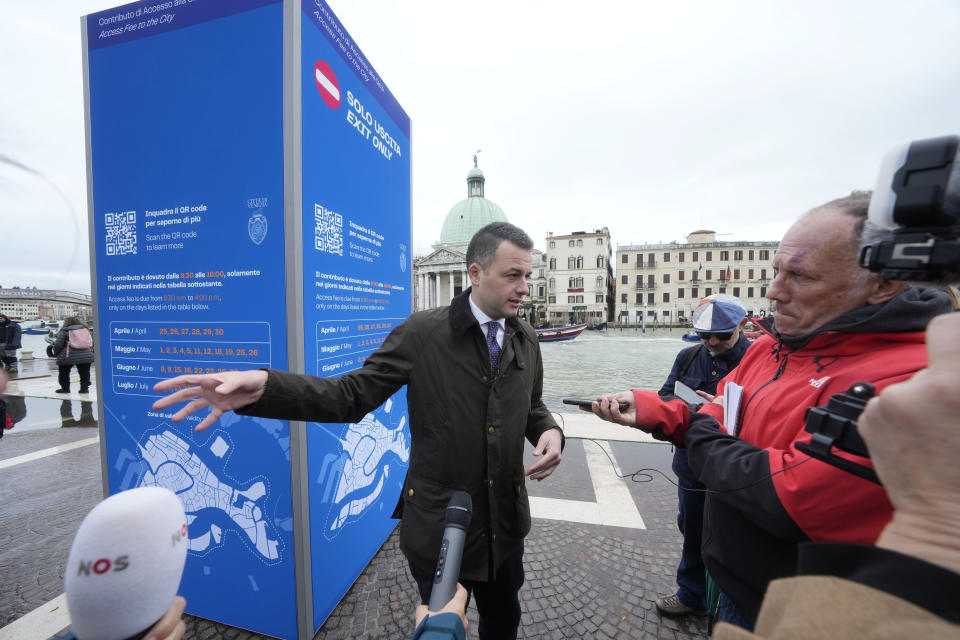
(121, 233)
(328, 230)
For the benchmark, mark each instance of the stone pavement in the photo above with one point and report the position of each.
(583, 580)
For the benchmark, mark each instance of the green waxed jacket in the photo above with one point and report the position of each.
(467, 427)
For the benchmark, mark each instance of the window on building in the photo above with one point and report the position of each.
(553, 284)
(651, 313)
(540, 291)
(553, 299)
(650, 299)
(553, 264)
(722, 290)
(680, 292)
(724, 255)
(680, 275)
(695, 275)
(666, 296)
(639, 259)
(738, 254)
(736, 292)
(709, 274)
(553, 244)
(695, 292)
(696, 256)
(749, 274)
(599, 286)
(639, 298)
(624, 279)
(623, 298)
(749, 292)
(763, 292)
(736, 274)
(708, 292)
(666, 313)
(600, 241)
(666, 278)
(666, 256)
(709, 256)
(571, 263)
(650, 279)
(623, 258)
(763, 274)
(540, 274)
(579, 262)
(750, 255)
(650, 260)
(570, 243)
(764, 254)
(580, 242)
(680, 257)
(639, 280)
(600, 299)
(599, 262)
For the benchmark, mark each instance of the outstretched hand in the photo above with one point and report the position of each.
(221, 391)
(607, 407)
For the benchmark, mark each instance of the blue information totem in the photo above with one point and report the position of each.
(249, 199)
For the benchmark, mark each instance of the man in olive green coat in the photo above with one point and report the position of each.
(475, 375)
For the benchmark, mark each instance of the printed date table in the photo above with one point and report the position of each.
(144, 353)
(343, 345)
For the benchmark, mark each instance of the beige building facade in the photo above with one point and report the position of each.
(579, 277)
(663, 283)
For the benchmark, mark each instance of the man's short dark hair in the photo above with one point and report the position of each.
(484, 243)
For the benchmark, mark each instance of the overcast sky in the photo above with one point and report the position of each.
(650, 118)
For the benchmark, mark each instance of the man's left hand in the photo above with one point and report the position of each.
(548, 450)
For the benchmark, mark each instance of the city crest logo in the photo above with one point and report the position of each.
(257, 227)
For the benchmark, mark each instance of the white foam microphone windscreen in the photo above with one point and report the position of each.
(125, 564)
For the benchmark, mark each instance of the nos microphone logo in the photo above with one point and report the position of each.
(102, 566)
(327, 84)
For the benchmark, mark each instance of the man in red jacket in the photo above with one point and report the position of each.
(834, 324)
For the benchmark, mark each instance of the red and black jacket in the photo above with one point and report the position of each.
(765, 496)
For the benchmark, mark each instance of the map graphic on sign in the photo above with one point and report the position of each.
(211, 500)
(363, 465)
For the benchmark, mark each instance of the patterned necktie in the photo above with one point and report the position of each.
(492, 328)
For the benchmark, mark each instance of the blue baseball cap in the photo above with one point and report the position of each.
(718, 314)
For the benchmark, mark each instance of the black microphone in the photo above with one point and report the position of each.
(455, 526)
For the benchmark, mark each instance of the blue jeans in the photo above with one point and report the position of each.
(728, 612)
(691, 574)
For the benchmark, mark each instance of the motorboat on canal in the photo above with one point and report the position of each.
(554, 334)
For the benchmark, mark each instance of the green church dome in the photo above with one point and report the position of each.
(470, 215)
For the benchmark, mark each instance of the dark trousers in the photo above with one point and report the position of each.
(63, 375)
(728, 612)
(691, 574)
(498, 602)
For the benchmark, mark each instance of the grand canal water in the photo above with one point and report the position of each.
(605, 361)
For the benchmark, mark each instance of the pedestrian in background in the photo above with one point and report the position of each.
(74, 346)
(10, 336)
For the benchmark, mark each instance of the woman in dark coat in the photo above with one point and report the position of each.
(68, 356)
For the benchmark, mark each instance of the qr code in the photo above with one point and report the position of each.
(121, 229)
(328, 230)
